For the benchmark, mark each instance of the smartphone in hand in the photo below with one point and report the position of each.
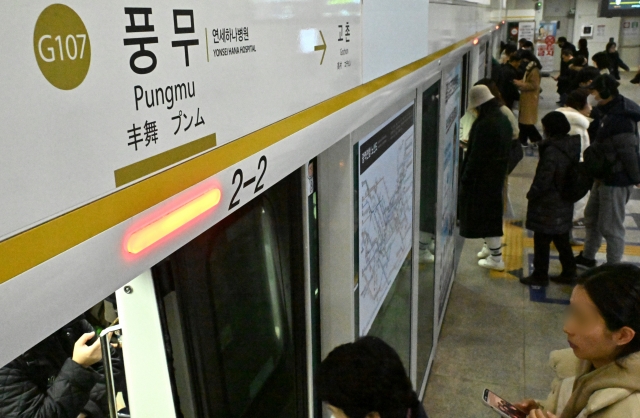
(502, 407)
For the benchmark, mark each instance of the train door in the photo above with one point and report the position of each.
(428, 195)
(231, 307)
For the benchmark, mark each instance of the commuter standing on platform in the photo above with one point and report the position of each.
(483, 175)
(564, 44)
(366, 379)
(509, 91)
(583, 49)
(529, 98)
(613, 159)
(549, 216)
(578, 112)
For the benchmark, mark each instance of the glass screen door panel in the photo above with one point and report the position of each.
(231, 309)
(428, 193)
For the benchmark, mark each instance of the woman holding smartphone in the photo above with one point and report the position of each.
(599, 376)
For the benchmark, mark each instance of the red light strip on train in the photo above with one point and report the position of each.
(155, 231)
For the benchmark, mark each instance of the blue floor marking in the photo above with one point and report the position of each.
(539, 293)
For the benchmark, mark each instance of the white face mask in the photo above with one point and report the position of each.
(593, 102)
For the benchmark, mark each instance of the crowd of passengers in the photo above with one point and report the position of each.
(597, 377)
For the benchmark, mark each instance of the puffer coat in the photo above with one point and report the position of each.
(484, 171)
(45, 382)
(547, 211)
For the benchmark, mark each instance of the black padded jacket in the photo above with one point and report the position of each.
(45, 382)
(547, 211)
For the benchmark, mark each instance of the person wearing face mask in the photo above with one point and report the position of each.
(366, 379)
(599, 375)
(578, 112)
(613, 162)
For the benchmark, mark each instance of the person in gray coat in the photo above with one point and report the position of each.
(549, 216)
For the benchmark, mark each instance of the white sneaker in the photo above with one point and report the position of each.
(491, 264)
(426, 257)
(485, 252)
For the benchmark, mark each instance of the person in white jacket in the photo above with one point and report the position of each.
(599, 376)
(577, 110)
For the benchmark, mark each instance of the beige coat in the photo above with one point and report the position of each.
(530, 96)
(616, 400)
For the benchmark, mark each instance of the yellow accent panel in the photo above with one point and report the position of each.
(150, 165)
(43, 242)
(512, 251)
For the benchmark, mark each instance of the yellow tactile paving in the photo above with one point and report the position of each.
(516, 241)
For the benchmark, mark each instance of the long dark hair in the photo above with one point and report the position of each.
(582, 43)
(487, 107)
(615, 290)
(366, 376)
(529, 56)
(493, 88)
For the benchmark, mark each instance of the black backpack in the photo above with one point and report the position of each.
(577, 182)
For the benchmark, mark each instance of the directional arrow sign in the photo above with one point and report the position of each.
(322, 47)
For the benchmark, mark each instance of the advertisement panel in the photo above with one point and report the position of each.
(545, 44)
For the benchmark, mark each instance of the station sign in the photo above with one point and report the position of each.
(100, 96)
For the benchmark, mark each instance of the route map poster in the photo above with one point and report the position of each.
(385, 210)
(448, 185)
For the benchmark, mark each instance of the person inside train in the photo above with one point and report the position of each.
(549, 215)
(583, 48)
(366, 379)
(599, 375)
(60, 377)
(484, 169)
(529, 87)
(615, 62)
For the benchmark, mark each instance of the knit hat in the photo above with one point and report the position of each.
(555, 123)
(479, 95)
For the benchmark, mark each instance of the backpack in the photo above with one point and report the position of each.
(576, 182)
(598, 160)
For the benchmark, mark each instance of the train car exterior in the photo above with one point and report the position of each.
(227, 177)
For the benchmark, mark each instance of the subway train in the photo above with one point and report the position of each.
(233, 188)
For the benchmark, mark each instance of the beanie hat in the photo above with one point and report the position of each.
(479, 95)
(555, 123)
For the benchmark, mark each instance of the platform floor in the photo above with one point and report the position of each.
(497, 333)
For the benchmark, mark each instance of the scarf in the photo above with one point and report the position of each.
(612, 375)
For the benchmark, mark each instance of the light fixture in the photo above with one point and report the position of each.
(160, 228)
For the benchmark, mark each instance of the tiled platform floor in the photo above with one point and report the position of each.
(497, 333)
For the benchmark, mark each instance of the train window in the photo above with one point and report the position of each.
(231, 316)
(428, 194)
(63, 375)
